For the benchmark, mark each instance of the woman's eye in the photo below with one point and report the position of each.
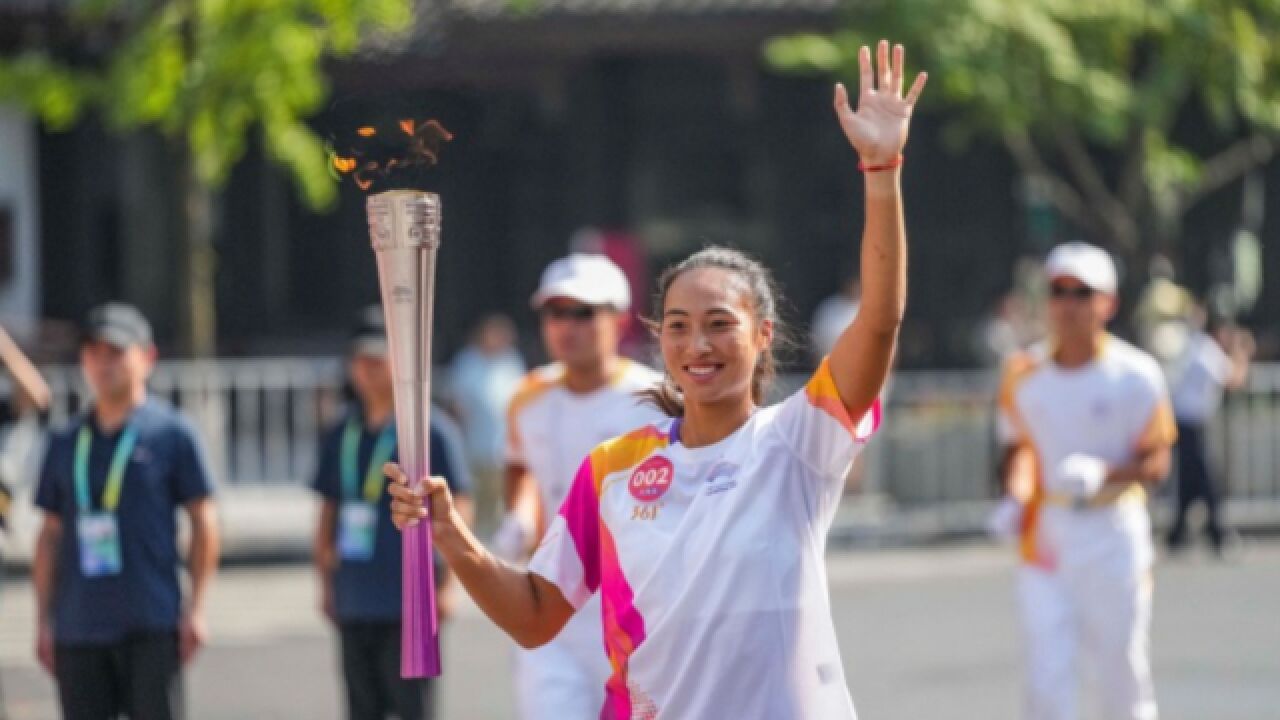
(675, 327)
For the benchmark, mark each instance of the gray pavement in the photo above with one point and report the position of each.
(924, 633)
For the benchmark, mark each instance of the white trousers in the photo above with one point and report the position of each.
(1094, 613)
(564, 679)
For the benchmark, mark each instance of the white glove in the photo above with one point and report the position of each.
(1005, 520)
(509, 540)
(1079, 476)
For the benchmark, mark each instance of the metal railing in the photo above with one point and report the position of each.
(930, 470)
(1245, 440)
(260, 419)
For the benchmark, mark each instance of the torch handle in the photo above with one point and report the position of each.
(420, 637)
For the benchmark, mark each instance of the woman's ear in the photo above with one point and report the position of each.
(765, 335)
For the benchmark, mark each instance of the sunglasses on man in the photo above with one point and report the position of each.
(579, 313)
(1060, 291)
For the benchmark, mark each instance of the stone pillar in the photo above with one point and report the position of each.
(19, 224)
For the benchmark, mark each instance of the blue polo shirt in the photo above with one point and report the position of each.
(369, 591)
(167, 469)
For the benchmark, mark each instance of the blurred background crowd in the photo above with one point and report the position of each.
(173, 155)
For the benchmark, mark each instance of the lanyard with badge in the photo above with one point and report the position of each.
(359, 521)
(99, 532)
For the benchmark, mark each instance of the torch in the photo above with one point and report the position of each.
(404, 228)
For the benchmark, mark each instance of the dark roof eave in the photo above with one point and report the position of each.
(558, 37)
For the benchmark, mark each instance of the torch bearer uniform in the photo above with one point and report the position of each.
(1085, 583)
(550, 429)
(708, 562)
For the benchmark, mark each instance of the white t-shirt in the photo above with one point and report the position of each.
(1108, 409)
(1198, 377)
(709, 563)
(551, 429)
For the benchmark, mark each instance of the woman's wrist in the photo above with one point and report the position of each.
(883, 164)
(883, 183)
(445, 529)
(444, 524)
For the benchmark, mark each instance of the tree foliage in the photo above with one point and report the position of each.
(205, 73)
(1092, 97)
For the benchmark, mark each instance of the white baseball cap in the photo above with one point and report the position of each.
(589, 279)
(1089, 264)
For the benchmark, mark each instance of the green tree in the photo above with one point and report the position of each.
(1091, 98)
(206, 74)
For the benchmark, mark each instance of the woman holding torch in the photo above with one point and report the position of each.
(704, 534)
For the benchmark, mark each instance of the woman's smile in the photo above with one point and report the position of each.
(704, 373)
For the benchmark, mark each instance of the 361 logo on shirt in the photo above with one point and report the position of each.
(651, 479)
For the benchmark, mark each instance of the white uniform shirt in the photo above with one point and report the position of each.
(551, 429)
(709, 563)
(1108, 409)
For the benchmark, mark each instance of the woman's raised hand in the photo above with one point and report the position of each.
(878, 128)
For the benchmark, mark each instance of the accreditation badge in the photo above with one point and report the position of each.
(99, 535)
(357, 528)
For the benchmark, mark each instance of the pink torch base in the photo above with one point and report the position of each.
(420, 637)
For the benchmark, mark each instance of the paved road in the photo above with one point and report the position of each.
(924, 633)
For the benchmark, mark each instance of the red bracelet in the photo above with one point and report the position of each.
(894, 163)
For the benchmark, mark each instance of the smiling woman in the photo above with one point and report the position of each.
(735, 284)
(704, 533)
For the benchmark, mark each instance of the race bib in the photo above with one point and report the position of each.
(358, 525)
(99, 544)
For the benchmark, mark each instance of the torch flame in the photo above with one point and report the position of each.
(369, 163)
(343, 164)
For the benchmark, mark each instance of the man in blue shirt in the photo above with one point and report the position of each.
(357, 548)
(112, 625)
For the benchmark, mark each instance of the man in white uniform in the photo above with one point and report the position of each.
(1090, 425)
(559, 413)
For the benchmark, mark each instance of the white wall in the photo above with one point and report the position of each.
(20, 295)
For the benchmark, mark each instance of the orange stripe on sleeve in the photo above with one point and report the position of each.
(1161, 429)
(1029, 546)
(626, 451)
(531, 387)
(823, 394)
(1017, 369)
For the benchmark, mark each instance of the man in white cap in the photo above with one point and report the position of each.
(1089, 425)
(560, 412)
